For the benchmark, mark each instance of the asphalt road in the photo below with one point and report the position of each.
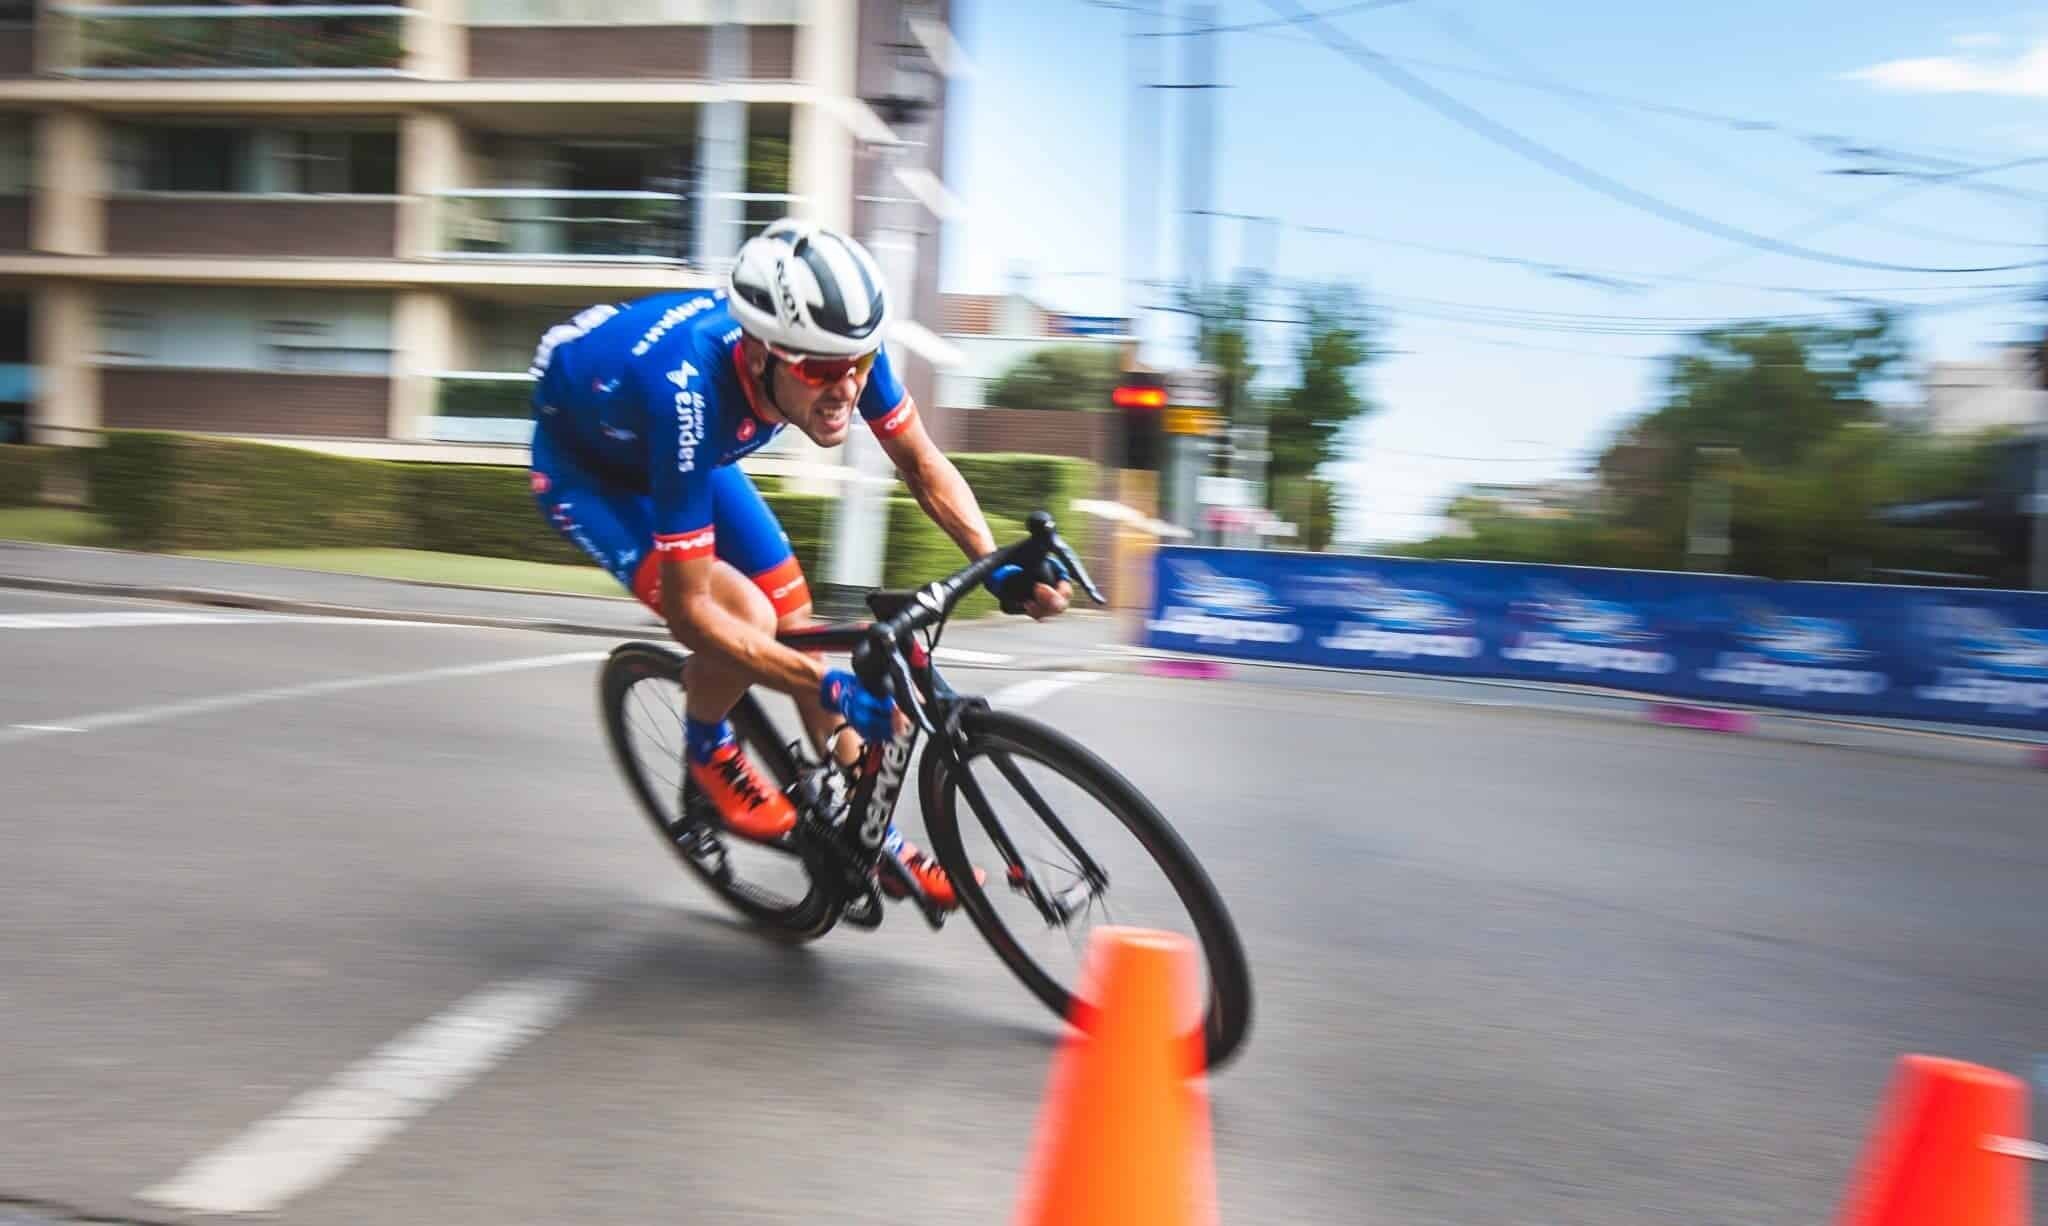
(1514, 966)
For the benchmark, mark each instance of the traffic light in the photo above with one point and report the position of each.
(1139, 400)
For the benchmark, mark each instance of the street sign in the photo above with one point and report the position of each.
(1178, 420)
(1197, 387)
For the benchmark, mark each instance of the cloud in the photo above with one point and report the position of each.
(2021, 76)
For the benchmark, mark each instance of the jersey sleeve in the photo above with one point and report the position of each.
(883, 402)
(674, 380)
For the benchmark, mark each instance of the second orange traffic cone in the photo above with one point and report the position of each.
(1930, 1161)
(1123, 1139)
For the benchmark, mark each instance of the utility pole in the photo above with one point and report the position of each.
(1141, 171)
(860, 526)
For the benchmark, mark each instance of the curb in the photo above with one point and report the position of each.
(281, 604)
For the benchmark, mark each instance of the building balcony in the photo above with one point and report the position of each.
(239, 225)
(230, 40)
(637, 227)
(619, 39)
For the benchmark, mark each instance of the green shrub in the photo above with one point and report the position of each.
(807, 519)
(919, 551)
(1014, 484)
(22, 473)
(172, 491)
(482, 509)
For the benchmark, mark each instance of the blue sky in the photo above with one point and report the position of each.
(1519, 372)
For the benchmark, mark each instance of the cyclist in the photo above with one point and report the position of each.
(642, 410)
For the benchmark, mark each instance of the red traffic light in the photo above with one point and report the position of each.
(1130, 396)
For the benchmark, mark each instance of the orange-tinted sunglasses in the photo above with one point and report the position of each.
(814, 370)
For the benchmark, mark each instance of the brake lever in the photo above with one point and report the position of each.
(1073, 564)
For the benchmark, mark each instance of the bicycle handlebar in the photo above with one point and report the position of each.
(878, 662)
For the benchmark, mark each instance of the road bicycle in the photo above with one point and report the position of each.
(1026, 787)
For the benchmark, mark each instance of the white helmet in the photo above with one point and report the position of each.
(809, 289)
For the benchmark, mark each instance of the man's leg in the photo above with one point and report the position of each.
(753, 542)
(712, 685)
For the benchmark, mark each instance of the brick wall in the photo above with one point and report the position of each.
(214, 225)
(676, 53)
(244, 402)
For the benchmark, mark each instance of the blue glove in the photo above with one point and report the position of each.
(1013, 591)
(869, 714)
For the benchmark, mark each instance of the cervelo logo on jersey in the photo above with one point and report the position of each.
(689, 417)
(668, 321)
(696, 544)
(897, 419)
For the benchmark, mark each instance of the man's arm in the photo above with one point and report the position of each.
(939, 488)
(944, 494)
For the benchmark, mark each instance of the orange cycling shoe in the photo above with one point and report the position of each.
(747, 803)
(925, 871)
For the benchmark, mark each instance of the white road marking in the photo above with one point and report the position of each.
(322, 1132)
(101, 621)
(962, 655)
(250, 698)
(1028, 693)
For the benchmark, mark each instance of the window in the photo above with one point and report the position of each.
(184, 159)
(17, 12)
(337, 163)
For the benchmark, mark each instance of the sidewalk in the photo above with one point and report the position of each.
(1018, 642)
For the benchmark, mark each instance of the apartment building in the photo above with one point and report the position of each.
(345, 224)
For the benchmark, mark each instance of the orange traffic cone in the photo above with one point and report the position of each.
(1123, 1139)
(1930, 1160)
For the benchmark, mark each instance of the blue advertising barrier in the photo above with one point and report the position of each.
(1949, 654)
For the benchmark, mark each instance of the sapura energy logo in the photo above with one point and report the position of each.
(1205, 604)
(1795, 655)
(1986, 660)
(1392, 623)
(1583, 635)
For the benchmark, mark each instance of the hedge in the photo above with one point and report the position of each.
(23, 471)
(173, 492)
(482, 509)
(1014, 484)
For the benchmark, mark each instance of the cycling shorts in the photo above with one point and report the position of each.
(615, 526)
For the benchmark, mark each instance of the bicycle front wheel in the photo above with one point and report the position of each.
(641, 693)
(1067, 843)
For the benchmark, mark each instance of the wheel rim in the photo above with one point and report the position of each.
(771, 880)
(1138, 891)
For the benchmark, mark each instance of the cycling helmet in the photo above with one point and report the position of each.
(809, 289)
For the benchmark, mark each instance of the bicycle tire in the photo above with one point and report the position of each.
(629, 664)
(1227, 1015)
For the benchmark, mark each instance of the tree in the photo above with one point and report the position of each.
(1223, 340)
(1077, 378)
(1304, 422)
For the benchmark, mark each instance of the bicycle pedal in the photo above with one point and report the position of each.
(863, 912)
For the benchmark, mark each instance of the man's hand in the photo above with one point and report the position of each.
(1044, 600)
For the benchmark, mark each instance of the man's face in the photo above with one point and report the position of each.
(824, 414)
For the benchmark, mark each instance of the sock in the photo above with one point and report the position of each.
(704, 739)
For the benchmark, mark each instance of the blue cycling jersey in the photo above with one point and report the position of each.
(647, 397)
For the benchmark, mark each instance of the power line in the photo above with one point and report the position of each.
(1343, 44)
(1248, 27)
(1458, 29)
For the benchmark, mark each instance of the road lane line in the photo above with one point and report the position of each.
(250, 698)
(964, 655)
(324, 1131)
(1029, 693)
(116, 620)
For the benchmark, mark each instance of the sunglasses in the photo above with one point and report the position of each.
(813, 370)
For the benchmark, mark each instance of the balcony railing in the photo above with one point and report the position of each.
(234, 40)
(620, 227)
(477, 406)
(521, 224)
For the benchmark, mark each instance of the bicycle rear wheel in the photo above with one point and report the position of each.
(1081, 831)
(772, 886)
